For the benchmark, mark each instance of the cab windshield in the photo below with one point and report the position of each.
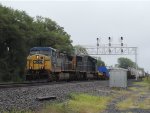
(47, 53)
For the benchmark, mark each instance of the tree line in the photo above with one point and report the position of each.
(18, 33)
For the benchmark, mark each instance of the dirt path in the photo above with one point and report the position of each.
(135, 99)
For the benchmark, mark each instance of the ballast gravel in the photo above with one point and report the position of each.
(24, 98)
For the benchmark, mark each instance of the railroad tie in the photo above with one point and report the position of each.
(46, 98)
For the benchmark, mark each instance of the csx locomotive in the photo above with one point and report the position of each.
(48, 63)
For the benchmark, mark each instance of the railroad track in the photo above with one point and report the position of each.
(36, 83)
(41, 83)
(22, 84)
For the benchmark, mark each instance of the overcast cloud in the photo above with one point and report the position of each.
(87, 20)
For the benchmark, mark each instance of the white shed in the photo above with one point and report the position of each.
(118, 77)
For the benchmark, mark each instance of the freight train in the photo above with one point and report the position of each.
(47, 62)
(132, 72)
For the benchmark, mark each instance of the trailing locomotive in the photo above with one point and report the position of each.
(46, 62)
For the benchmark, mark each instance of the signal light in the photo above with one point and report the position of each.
(121, 38)
(37, 56)
(121, 44)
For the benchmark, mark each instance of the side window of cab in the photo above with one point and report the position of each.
(53, 53)
(53, 56)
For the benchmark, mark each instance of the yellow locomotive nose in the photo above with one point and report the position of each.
(38, 62)
(35, 62)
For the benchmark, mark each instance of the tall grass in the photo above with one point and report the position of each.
(79, 103)
(17, 111)
(138, 92)
(146, 80)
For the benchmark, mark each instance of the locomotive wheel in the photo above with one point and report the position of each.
(28, 78)
(50, 79)
(84, 77)
(57, 77)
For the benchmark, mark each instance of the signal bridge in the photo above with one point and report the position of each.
(112, 49)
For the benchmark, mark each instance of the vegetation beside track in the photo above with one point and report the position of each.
(139, 96)
(79, 103)
(135, 97)
(18, 33)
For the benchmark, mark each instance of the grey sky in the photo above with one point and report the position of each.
(87, 20)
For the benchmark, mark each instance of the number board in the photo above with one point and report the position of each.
(38, 61)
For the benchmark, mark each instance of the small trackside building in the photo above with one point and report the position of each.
(118, 78)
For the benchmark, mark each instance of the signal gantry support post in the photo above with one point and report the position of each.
(137, 74)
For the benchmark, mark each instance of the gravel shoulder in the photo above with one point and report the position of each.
(24, 98)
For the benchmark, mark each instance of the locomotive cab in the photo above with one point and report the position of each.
(40, 63)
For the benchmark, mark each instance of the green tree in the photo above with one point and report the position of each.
(12, 40)
(100, 62)
(19, 32)
(49, 33)
(125, 63)
(79, 50)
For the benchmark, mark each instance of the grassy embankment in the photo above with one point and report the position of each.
(85, 103)
(79, 103)
(139, 96)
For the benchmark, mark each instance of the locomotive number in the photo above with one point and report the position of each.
(38, 62)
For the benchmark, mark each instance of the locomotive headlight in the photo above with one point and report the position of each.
(37, 56)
